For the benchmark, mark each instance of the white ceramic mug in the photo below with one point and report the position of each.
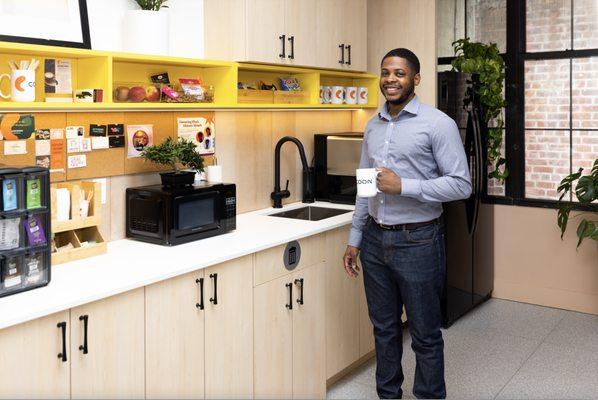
(327, 94)
(22, 85)
(338, 95)
(214, 173)
(366, 182)
(362, 95)
(322, 94)
(351, 95)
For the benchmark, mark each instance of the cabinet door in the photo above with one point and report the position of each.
(114, 364)
(225, 30)
(366, 330)
(300, 26)
(29, 362)
(342, 307)
(229, 329)
(174, 338)
(273, 340)
(329, 30)
(355, 33)
(265, 23)
(309, 341)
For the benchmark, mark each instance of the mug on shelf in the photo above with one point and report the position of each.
(338, 95)
(362, 95)
(22, 85)
(351, 95)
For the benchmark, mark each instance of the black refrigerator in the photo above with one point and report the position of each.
(469, 223)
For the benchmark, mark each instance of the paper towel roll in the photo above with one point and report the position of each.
(63, 204)
(214, 173)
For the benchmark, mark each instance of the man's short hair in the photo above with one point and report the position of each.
(407, 55)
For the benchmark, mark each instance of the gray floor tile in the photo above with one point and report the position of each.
(351, 389)
(516, 319)
(576, 329)
(556, 371)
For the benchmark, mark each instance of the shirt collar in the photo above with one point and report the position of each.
(412, 108)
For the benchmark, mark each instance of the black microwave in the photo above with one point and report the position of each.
(176, 215)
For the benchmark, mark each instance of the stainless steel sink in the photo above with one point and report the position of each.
(310, 213)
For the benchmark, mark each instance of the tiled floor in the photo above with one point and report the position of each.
(504, 350)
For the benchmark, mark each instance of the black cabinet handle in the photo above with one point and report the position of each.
(214, 300)
(348, 47)
(85, 319)
(290, 305)
(292, 41)
(200, 304)
(299, 282)
(342, 47)
(282, 41)
(62, 355)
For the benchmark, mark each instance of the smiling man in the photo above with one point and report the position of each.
(399, 234)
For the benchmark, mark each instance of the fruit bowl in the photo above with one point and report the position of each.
(136, 92)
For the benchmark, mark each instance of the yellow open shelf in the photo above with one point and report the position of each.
(93, 69)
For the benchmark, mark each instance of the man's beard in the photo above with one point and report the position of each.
(404, 97)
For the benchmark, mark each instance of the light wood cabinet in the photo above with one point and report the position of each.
(289, 335)
(44, 374)
(342, 306)
(174, 337)
(107, 356)
(265, 27)
(366, 330)
(300, 28)
(342, 34)
(229, 329)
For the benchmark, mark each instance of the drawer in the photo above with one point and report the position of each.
(269, 264)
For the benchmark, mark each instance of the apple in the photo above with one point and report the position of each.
(121, 93)
(152, 93)
(137, 94)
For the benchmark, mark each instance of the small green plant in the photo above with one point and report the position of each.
(586, 191)
(485, 61)
(179, 153)
(152, 5)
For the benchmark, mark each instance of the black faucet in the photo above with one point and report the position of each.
(308, 175)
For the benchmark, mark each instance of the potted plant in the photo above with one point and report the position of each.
(178, 153)
(146, 30)
(586, 190)
(485, 62)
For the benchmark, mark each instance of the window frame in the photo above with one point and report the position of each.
(515, 57)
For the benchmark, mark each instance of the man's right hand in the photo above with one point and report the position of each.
(350, 261)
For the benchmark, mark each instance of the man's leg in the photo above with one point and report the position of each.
(385, 307)
(419, 263)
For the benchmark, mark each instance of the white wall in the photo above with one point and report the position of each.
(106, 18)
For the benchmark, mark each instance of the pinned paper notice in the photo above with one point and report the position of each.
(13, 147)
(100, 142)
(85, 144)
(74, 132)
(42, 147)
(78, 161)
(73, 145)
(56, 134)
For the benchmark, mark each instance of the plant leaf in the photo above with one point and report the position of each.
(585, 230)
(563, 218)
(586, 189)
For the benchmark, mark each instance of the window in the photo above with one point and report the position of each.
(551, 51)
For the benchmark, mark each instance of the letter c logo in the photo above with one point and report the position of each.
(18, 82)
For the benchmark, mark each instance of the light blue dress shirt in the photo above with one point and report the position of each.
(423, 146)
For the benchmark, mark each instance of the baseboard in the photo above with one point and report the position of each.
(352, 367)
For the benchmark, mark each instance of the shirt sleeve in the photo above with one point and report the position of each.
(454, 182)
(361, 203)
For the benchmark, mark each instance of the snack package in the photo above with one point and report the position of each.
(12, 272)
(169, 92)
(34, 197)
(192, 87)
(10, 236)
(33, 265)
(289, 83)
(35, 231)
(9, 194)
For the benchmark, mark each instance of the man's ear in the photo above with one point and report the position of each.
(416, 79)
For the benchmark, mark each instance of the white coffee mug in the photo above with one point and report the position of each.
(362, 95)
(321, 94)
(338, 94)
(22, 85)
(366, 182)
(327, 94)
(214, 173)
(351, 95)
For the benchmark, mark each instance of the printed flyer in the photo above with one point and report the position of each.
(199, 130)
(139, 137)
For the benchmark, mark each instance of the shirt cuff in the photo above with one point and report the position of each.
(355, 237)
(411, 187)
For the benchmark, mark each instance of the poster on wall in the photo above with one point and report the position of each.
(199, 130)
(56, 23)
(139, 137)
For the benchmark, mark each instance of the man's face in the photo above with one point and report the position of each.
(397, 79)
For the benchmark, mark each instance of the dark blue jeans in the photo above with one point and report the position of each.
(403, 267)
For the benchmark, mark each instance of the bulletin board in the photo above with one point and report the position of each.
(162, 128)
(19, 160)
(100, 163)
(52, 121)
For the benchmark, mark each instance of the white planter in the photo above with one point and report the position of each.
(146, 32)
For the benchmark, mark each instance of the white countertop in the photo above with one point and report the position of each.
(131, 264)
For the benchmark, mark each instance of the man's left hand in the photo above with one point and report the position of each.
(388, 182)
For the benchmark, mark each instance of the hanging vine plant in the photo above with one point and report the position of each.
(485, 61)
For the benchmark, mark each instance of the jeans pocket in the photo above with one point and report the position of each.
(422, 235)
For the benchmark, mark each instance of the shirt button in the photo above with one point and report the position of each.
(386, 142)
(381, 201)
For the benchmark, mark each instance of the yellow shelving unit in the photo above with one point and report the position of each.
(104, 70)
